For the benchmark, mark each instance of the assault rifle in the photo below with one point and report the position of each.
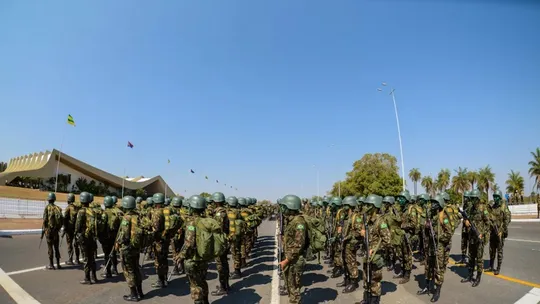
(473, 227)
(42, 234)
(367, 291)
(280, 242)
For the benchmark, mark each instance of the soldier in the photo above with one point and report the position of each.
(500, 220)
(146, 220)
(138, 203)
(377, 242)
(294, 245)
(338, 220)
(222, 262)
(52, 223)
(128, 244)
(467, 206)
(209, 207)
(349, 246)
(111, 216)
(479, 217)
(410, 226)
(423, 202)
(196, 268)
(86, 232)
(439, 232)
(161, 242)
(394, 222)
(245, 213)
(236, 231)
(176, 206)
(70, 216)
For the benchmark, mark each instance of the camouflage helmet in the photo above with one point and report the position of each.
(350, 201)
(115, 199)
(185, 202)
(108, 202)
(158, 198)
(389, 199)
(292, 202)
(70, 198)
(476, 193)
(167, 201)
(375, 200)
(336, 200)
(149, 201)
(361, 199)
(218, 197)
(177, 201)
(467, 193)
(232, 201)
(424, 196)
(242, 201)
(51, 196)
(138, 200)
(197, 202)
(84, 197)
(439, 199)
(445, 196)
(406, 195)
(91, 197)
(497, 193)
(248, 201)
(414, 198)
(128, 202)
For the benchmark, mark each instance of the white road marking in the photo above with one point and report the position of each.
(38, 268)
(516, 240)
(274, 295)
(533, 297)
(19, 295)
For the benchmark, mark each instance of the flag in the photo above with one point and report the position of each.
(70, 120)
(217, 181)
(236, 189)
(231, 187)
(130, 145)
(192, 171)
(168, 161)
(206, 177)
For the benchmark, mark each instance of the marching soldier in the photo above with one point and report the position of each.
(467, 206)
(222, 262)
(175, 208)
(500, 219)
(161, 242)
(70, 216)
(236, 233)
(111, 216)
(410, 226)
(349, 246)
(86, 232)
(52, 223)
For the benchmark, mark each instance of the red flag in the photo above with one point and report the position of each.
(130, 145)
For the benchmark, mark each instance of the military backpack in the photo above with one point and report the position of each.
(316, 233)
(211, 241)
(54, 217)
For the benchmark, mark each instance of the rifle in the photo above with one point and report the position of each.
(111, 255)
(367, 291)
(473, 227)
(280, 243)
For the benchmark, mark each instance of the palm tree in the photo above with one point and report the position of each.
(534, 170)
(460, 182)
(472, 176)
(427, 183)
(415, 176)
(515, 183)
(443, 180)
(486, 178)
(495, 187)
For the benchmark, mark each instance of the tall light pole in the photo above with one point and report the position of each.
(339, 182)
(318, 188)
(399, 134)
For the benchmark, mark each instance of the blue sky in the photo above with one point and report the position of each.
(253, 93)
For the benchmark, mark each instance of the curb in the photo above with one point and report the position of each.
(22, 232)
(526, 221)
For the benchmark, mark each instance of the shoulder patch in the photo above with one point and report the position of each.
(383, 226)
(358, 220)
(191, 228)
(300, 227)
(413, 213)
(445, 221)
(124, 223)
(218, 214)
(485, 212)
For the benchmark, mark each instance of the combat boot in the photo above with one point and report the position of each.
(140, 294)
(490, 268)
(399, 275)
(498, 270)
(58, 263)
(51, 265)
(478, 278)
(425, 290)
(469, 277)
(375, 300)
(220, 291)
(86, 280)
(77, 260)
(236, 275)
(338, 271)
(463, 259)
(406, 277)
(132, 297)
(353, 285)
(115, 270)
(158, 284)
(106, 274)
(437, 293)
(93, 277)
(69, 262)
(343, 283)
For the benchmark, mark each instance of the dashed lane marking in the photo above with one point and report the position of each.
(19, 295)
(515, 240)
(532, 297)
(38, 268)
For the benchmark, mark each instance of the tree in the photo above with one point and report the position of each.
(486, 178)
(515, 183)
(415, 177)
(534, 170)
(3, 166)
(372, 174)
(205, 194)
(472, 176)
(427, 183)
(443, 180)
(140, 192)
(460, 182)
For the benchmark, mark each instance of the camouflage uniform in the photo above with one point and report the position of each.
(294, 247)
(500, 219)
(112, 216)
(130, 254)
(87, 237)
(51, 231)
(236, 232)
(70, 216)
(341, 217)
(411, 225)
(465, 236)
(479, 216)
(246, 241)
(161, 246)
(380, 237)
(222, 262)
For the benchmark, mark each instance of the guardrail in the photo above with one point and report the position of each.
(21, 208)
(526, 209)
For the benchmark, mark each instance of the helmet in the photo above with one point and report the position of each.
(314, 203)
(278, 201)
(218, 197)
(439, 199)
(406, 195)
(361, 199)
(467, 194)
(85, 198)
(242, 201)
(149, 201)
(115, 199)
(71, 198)
(375, 200)
(325, 200)
(91, 197)
(128, 202)
(208, 200)
(476, 193)
(177, 201)
(248, 201)
(197, 202)
(108, 202)
(185, 202)
(158, 198)
(167, 201)
(51, 196)
(336, 200)
(138, 200)
(497, 193)
(389, 199)
(254, 200)
(445, 196)
(424, 197)
(350, 201)
(232, 201)
(414, 198)
(292, 202)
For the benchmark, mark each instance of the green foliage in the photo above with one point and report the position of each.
(428, 184)
(372, 174)
(415, 176)
(3, 166)
(140, 192)
(515, 184)
(460, 181)
(205, 194)
(534, 169)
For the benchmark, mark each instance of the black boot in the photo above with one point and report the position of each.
(236, 275)
(51, 265)
(399, 275)
(158, 284)
(437, 293)
(132, 297)
(338, 271)
(406, 277)
(498, 270)
(343, 283)
(463, 259)
(58, 263)
(220, 290)
(353, 285)
(107, 274)
(469, 277)
(115, 270)
(425, 290)
(140, 294)
(375, 300)
(93, 277)
(478, 278)
(490, 268)
(77, 260)
(86, 280)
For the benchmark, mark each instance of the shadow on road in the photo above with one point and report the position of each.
(387, 287)
(178, 287)
(244, 296)
(313, 278)
(259, 260)
(319, 295)
(257, 269)
(313, 267)
(461, 271)
(254, 280)
(420, 280)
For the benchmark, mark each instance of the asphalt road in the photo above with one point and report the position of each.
(522, 251)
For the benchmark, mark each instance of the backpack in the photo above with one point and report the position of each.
(173, 223)
(316, 233)
(113, 220)
(236, 225)
(54, 220)
(137, 238)
(210, 240)
(91, 223)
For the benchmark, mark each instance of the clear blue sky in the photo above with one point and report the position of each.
(253, 92)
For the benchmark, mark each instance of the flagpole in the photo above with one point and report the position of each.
(58, 163)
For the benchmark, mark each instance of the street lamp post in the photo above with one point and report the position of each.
(399, 134)
(318, 188)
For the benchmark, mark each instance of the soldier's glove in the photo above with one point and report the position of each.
(176, 259)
